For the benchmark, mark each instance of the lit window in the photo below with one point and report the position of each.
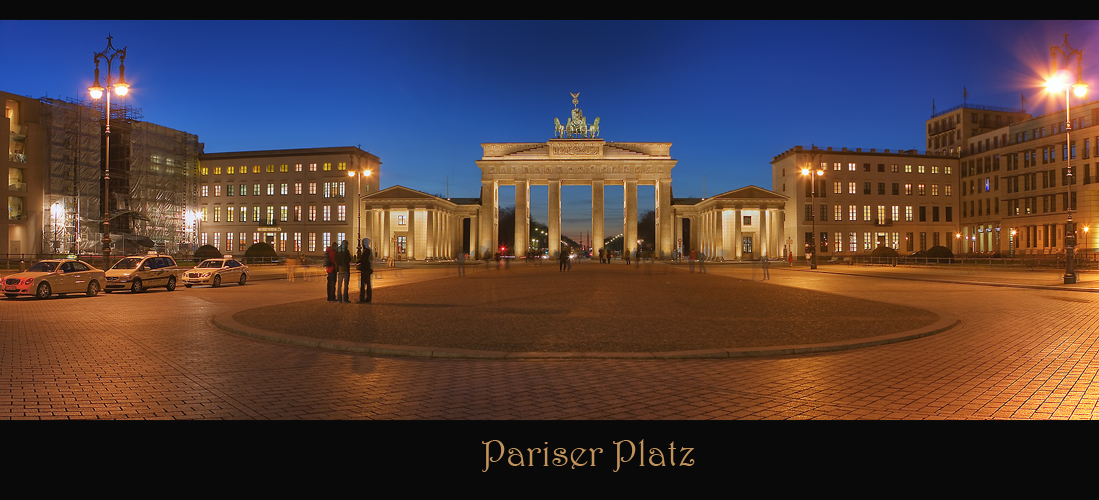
(851, 188)
(866, 213)
(284, 189)
(297, 188)
(270, 214)
(217, 214)
(284, 168)
(851, 167)
(229, 170)
(297, 167)
(341, 213)
(217, 190)
(934, 190)
(270, 168)
(920, 169)
(255, 169)
(853, 212)
(837, 187)
(908, 213)
(908, 169)
(312, 213)
(327, 214)
(327, 167)
(341, 166)
(312, 167)
(283, 213)
(312, 188)
(270, 189)
(400, 220)
(205, 190)
(946, 189)
(217, 170)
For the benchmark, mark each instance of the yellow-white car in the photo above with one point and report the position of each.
(214, 272)
(142, 272)
(52, 277)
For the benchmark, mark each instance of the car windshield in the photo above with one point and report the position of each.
(43, 267)
(211, 264)
(127, 263)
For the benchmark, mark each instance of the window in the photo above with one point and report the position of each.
(896, 213)
(923, 214)
(837, 187)
(255, 213)
(229, 212)
(851, 188)
(341, 166)
(313, 168)
(327, 217)
(284, 168)
(934, 169)
(919, 169)
(205, 190)
(230, 189)
(853, 212)
(866, 188)
(837, 212)
(270, 214)
(400, 220)
(836, 166)
(946, 188)
(312, 213)
(244, 190)
(851, 166)
(946, 170)
(270, 189)
(284, 189)
(922, 190)
(283, 212)
(908, 189)
(896, 188)
(866, 213)
(297, 168)
(327, 167)
(255, 169)
(312, 188)
(270, 168)
(244, 214)
(908, 213)
(255, 190)
(217, 214)
(341, 213)
(217, 170)
(297, 188)
(297, 213)
(908, 169)
(881, 188)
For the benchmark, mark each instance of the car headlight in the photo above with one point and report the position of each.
(28, 281)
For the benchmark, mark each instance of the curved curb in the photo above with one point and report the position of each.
(225, 321)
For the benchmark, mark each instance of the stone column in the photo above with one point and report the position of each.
(764, 235)
(410, 238)
(629, 202)
(387, 236)
(490, 219)
(719, 235)
(429, 234)
(474, 235)
(738, 235)
(522, 218)
(665, 236)
(554, 222)
(597, 216)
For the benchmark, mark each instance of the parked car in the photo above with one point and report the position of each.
(214, 272)
(55, 276)
(141, 272)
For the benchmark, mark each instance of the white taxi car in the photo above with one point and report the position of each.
(141, 272)
(214, 272)
(55, 276)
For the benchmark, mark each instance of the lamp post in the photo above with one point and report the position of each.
(96, 90)
(359, 204)
(812, 172)
(1012, 242)
(1059, 81)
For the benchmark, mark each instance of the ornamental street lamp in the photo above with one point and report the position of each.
(813, 173)
(1057, 82)
(121, 88)
(359, 203)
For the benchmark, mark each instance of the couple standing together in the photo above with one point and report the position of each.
(337, 263)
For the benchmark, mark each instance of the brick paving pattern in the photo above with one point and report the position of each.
(1018, 353)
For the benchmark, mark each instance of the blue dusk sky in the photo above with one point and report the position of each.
(424, 95)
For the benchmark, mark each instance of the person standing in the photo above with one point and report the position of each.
(766, 268)
(701, 262)
(691, 261)
(562, 258)
(366, 272)
(626, 255)
(330, 268)
(461, 264)
(343, 273)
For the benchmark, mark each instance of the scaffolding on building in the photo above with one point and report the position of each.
(152, 185)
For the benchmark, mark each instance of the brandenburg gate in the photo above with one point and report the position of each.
(576, 156)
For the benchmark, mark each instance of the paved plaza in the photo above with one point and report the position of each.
(665, 353)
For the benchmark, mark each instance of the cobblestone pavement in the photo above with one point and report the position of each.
(1018, 353)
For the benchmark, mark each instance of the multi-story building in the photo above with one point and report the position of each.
(55, 179)
(903, 200)
(1016, 189)
(297, 200)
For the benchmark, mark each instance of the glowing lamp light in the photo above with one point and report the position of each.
(96, 91)
(1080, 89)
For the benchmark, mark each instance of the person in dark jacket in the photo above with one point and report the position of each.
(343, 273)
(330, 268)
(366, 271)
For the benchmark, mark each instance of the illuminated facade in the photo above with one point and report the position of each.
(297, 200)
(902, 200)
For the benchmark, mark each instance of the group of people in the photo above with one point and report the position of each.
(337, 263)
